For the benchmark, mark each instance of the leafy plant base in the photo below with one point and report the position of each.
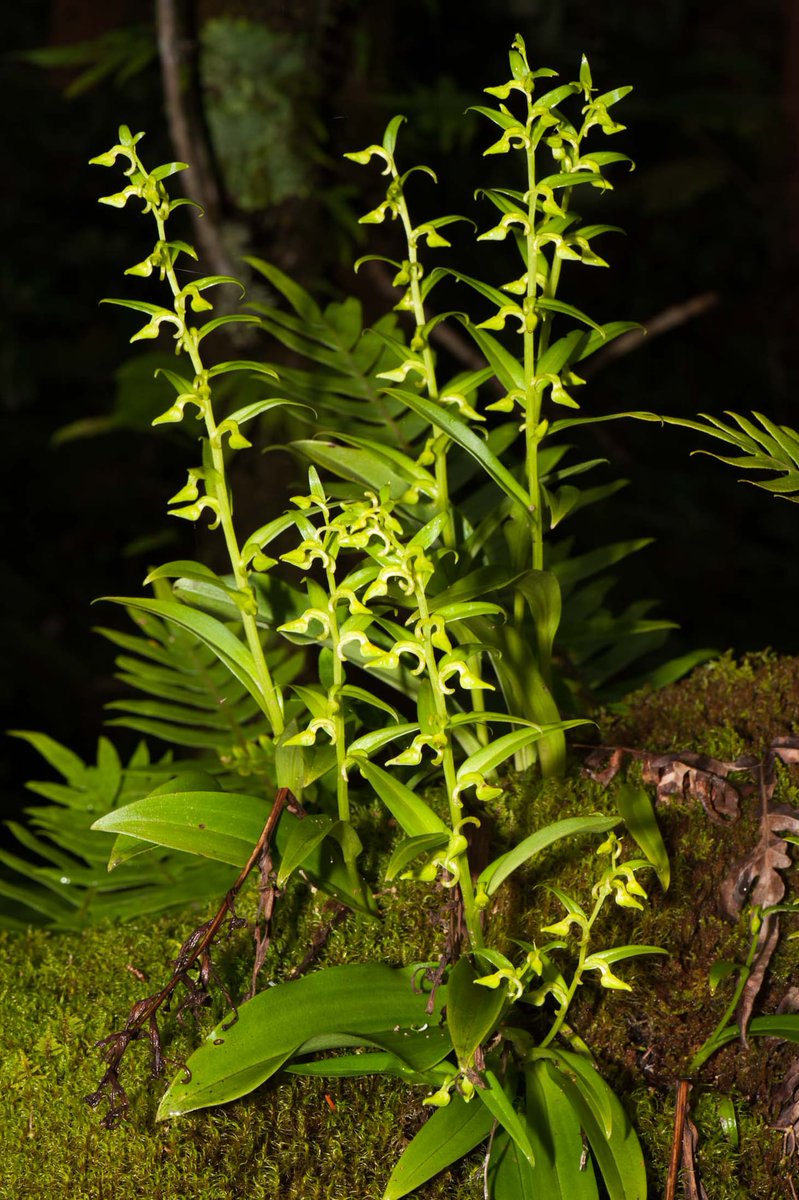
(305, 1139)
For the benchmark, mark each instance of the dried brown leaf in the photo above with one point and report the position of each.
(789, 1002)
(698, 777)
(692, 1184)
(787, 1094)
(604, 775)
(766, 945)
(786, 749)
(756, 879)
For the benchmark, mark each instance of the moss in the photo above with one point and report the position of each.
(725, 709)
(59, 994)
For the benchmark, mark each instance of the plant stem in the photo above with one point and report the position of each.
(532, 396)
(342, 786)
(271, 698)
(712, 1044)
(578, 972)
(470, 911)
(441, 441)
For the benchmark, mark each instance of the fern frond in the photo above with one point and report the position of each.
(66, 883)
(769, 448)
(193, 699)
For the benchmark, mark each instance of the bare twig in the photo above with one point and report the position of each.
(680, 1112)
(663, 322)
(195, 952)
(320, 937)
(187, 136)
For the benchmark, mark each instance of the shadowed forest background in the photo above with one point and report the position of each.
(263, 98)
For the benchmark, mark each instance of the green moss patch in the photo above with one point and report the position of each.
(338, 1140)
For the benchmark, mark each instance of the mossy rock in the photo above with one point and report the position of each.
(305, 1139)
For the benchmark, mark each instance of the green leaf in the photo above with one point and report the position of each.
(473, 1011)
(503, 119)
(467, 609)
(490, 756)
(500, 1105)
(297, 297)
(582, 566)
(780, 1025)
(405, 1053)
(541, 590)
(612, 1138)
(572, 422)
(721, 970)
(303, 839)
(413, 815)
(449, 1135)
(225, 645)
(410, 848)
(390, 136)
(612, 97)
(360, 694)
(367, 743)
(68, 764)
(219, 825)
(509, 370)
(361, 466)
(636, 808)
(242, 415)
(728, 1120)
(352, 999)
(499, 870)
(231, 319)
(239, 364)
(460, 433)
(556, 1137)
(419, 1048)
(568, 310)
(509, 1173)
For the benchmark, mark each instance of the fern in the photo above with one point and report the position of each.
(69, 886)
(772, 448)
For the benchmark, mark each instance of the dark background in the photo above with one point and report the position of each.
(712, 224)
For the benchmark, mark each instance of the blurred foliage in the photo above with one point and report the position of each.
(118, 54)
(258, 101)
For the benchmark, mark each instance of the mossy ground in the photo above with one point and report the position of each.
(58, 995)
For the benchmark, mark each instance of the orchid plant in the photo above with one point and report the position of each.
(407, 601)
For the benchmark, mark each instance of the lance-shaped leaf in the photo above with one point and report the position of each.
(638, 812)
(220, 825)
(221, 640)
(509, 370)
(409, 849)
(779, 1025)
(556, 1137)
(487, 758)
(498, 871)
(408, 1054)
(352, 999)
(225, 826)
(368, 467)
(303, 839)
(409, 810)
(473, 1011)
(613, 1142)
(449, 1135)
(500, 1105)
(469, 441)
